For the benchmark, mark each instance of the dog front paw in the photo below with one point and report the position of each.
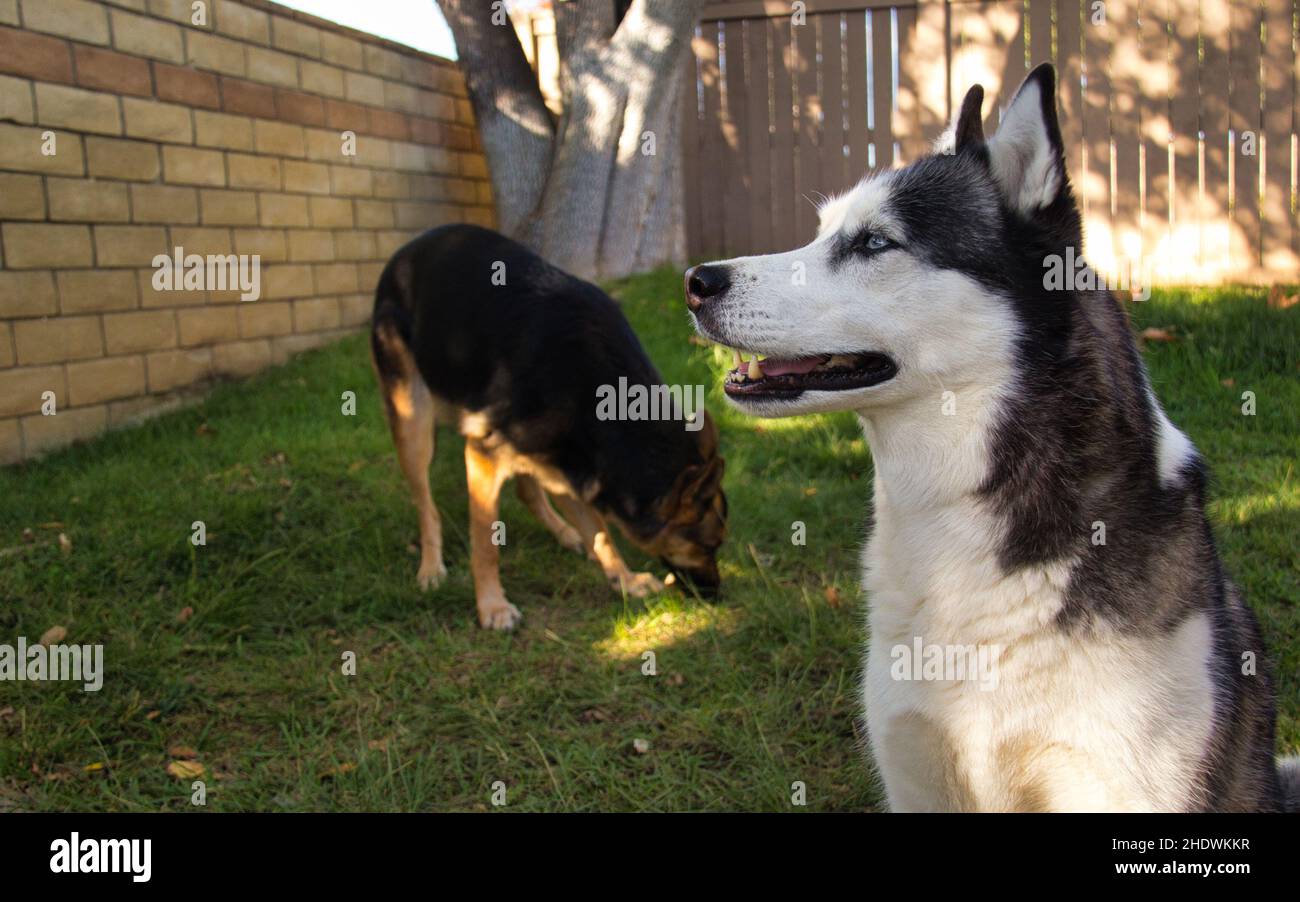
(571, 539)
(432, 573)
(500, 616)
(639, 585)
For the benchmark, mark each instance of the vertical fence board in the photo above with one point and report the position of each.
(1040, 32)
(927, 46)
(1184, 122)
(1096, 139)
(1216, 150)
(1275, 210)
(691, 154)
(713, 143)
(859, 136)
(833, 169)
(758, 138)
(1155, 136)
(1128, 78)
(808, 166)
(1244, 117)
(1069, 63)
(783, 176)
(736, 234)
(890, 125)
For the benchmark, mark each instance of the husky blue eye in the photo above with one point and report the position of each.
(877, 243)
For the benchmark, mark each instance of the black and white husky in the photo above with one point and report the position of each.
(1031, 497)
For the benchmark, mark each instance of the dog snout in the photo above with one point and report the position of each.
(705, 281)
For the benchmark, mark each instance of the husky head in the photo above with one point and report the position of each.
(920, 279)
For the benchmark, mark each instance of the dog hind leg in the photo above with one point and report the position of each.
(532, 494)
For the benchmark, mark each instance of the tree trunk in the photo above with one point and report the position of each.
(607, 200)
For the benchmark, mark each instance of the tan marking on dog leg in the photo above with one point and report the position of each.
(601, 548)
(409, 412)
(532, 494)
(484, 477)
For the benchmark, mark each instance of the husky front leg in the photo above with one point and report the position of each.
(601, 548)
(484, 476)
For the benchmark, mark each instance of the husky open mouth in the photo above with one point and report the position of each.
(778, 377)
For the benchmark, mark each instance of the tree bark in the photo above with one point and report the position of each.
(608, 201)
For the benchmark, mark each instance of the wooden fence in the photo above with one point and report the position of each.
(1179, 117)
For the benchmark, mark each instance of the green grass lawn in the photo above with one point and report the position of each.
(310, 555)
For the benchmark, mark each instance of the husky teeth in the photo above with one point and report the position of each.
(755, 371)
(738, 360)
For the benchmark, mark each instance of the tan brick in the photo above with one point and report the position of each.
(284, 210)
(381, 61)
(336, 278)
(438, 106)
(316, 314)
(355, 246)
(133, 411)
(363, 88)
(356, 309)
(306, 178)
(154, 293)
(146, 330)
(82, 200)
(352, 181)
(143, 36)
(208, 51)
(279, 139)
(11, 433)
(295, 37)
(176, 10)
(41, 246)
(105, 380)
(21, 149)
(16, 100)
(401, 97)
(189, 166)
(207, 325)
(42, 434)
(473, 165)
(308, 245)
(344, 51)
(229, 207)
(21, 197)
(27, 294)
(6, 346)
(129, 245)
(154, 121)
(247, 171)
(262, 319)
(241, 358)
(55, 339)
(9, 12)
(172, 369)
(134, 161)
(272, 67)
(222, 130)
(324, 146)
(268, 244)
(77, 19)
(77, 109)
(286, 281)
(202, 241)
(320, 78)
(94, 290)
(389, 242)
(330, 212)
(374, 214)
(164, 204)
(241, 22)
(21, 389)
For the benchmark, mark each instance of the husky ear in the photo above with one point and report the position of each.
(1026, 154)
(970, 126)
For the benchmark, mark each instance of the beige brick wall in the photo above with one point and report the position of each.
(127, 130)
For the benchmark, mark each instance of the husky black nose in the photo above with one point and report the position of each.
(704, 282)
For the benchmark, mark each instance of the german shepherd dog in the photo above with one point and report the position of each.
(476, 331)
(1010, 421)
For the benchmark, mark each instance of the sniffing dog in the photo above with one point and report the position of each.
(474, 330)
(1031, 496)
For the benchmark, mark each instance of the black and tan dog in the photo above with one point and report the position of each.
(472, 329)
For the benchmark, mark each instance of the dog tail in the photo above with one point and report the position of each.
(1288, 774)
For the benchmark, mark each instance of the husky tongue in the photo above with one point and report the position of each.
(775, 366)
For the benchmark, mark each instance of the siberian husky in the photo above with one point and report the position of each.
(1031, 496)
